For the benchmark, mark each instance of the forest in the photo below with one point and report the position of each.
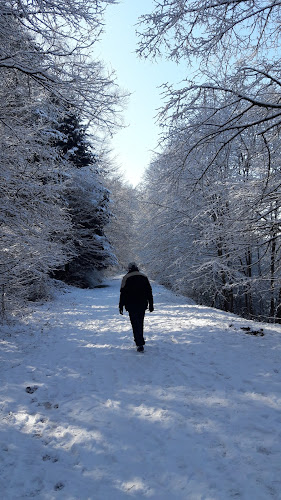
(205, 220)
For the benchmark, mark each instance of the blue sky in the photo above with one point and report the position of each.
(132, 146)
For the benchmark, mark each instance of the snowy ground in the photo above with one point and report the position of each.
(84, 416)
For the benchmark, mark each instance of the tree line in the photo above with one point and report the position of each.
(211, 198)
(57, 103)
(206, 219)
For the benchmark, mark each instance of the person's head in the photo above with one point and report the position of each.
(132, 267)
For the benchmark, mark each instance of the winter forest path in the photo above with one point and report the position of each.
(86, 417)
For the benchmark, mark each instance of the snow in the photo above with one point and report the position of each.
(84, 416)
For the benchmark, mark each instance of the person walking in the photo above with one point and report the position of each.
(136, 296)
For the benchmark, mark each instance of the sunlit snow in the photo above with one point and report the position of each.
(86, 417)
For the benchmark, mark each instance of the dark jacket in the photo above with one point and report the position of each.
(135, 291)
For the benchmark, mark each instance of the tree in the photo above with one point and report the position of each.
(235, 45)
(45, 69)
(221, 137)
(57, 55)
(214, 234)
(186, 28)
(123, 230)
(88, 204)
(35, 226)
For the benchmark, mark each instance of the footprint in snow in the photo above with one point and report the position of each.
(263, 450)
(46, 458)
(31, 390)
(59, 486)
(48, 406)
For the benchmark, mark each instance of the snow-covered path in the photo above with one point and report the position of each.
(84, 416)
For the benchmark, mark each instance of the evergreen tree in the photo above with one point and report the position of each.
(88, 203)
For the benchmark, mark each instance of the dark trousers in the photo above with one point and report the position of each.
(137, 316)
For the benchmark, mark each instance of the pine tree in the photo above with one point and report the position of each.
(88, 203)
